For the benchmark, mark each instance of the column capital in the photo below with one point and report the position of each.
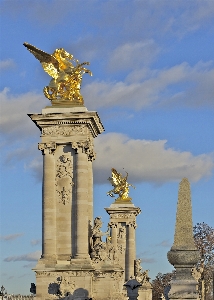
(47, 148)
(132, 224)
(113, 224)
(85, 147)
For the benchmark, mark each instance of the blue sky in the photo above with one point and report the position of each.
(153, 87)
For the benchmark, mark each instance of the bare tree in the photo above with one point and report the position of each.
(160, 282)
(204, 240)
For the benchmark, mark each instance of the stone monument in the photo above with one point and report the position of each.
(183, 254)
(76, 263)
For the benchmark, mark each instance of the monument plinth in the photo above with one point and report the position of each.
(183, 254)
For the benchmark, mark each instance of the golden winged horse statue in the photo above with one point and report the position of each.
(66, 73)
(121, 186)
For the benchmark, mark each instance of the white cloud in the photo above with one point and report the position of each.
(148, 260)
(180, 85)
(145, 160)
(35, 242)
(33, 256)
(6, 64)
(132, 55)
(30, 265)
(11, 237)
(165, 243)
(14, 120)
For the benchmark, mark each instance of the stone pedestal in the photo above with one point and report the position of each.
(67, 135)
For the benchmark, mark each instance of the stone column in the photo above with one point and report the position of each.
(82, 247)
(130, 250)
(113, 233)
(90, 195)
(48, 201)
(183, 254)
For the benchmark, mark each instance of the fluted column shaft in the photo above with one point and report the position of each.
(81, 205)
(90, 192)
(48, 203)
(130, 251)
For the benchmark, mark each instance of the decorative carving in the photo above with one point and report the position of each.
(47, 148)
(64, 175)
(121, 186)
(132, 224)
(123, 215)
(122, 233)
(64, 130)
(140, 275)
(85, 147)
(112, 224)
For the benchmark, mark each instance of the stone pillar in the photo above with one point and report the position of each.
(90, 196)
(48, 201)
(82, 220)
(183, 254)
(113, 227)
(130, 250)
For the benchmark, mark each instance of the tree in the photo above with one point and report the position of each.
(159, 283)
(204, 240)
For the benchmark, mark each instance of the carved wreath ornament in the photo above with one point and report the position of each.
(64, 175)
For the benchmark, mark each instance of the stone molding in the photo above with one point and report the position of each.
(88, 119)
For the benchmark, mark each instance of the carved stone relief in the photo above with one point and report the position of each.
(64, 175)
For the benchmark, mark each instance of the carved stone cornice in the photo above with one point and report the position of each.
(68, 120)
(47, 148)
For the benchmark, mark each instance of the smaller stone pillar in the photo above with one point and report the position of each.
(183, 254)
(123, 225)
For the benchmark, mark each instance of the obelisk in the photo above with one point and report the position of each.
(183, 254)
